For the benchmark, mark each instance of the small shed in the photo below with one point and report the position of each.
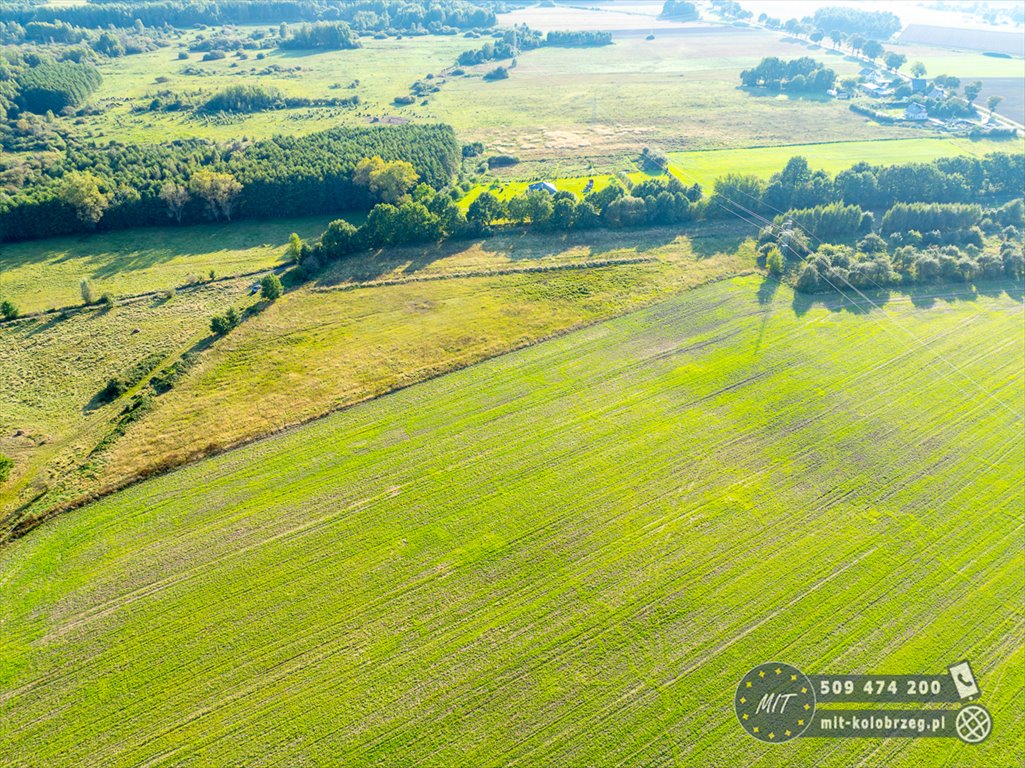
(543, 186)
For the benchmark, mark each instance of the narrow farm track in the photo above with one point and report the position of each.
(565, 556)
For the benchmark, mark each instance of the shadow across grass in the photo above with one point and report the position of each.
(921, 296)
(522, 248)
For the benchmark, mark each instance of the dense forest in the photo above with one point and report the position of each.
(121, 186)
(50, 85)
(364, 15)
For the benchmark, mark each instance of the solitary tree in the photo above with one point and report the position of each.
(894, 60)
(221, 324)
(971, 91)
(918, 69)
(82, 192)
(175, 196)
(774, 261)
(270, 287)
(218, 190)
(993, 102)
(873, 49)
(295, 248)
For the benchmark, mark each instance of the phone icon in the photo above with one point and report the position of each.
(964, 680)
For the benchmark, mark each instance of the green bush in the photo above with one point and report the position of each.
(222, 324)
(270, 287)
(6, 465)
(8, 309)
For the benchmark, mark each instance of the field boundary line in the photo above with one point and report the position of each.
(483, 273)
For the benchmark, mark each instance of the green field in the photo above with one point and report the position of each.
(706, 167)
(41, 274)
(574, 565)
(679, 90)
(372, 323)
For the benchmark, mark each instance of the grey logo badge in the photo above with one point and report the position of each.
(973, 724)
(775, 702)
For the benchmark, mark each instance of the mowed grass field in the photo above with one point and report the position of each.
(53, 368)
(706, 167)
(568, 555)
(41, 274)
(385, 69)
(374, 323)
(679, 90)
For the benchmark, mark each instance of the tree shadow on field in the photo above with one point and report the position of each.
(50, 322)
(926, 296)
(996, 288)
(767, 290)
(840, 302)
(767, 93)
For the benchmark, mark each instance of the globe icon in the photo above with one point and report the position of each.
(973, 724)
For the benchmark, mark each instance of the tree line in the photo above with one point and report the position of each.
(915, 243)
(326, 35)
(365, 15)
(961, 179)
(512, 42)
(121, 186)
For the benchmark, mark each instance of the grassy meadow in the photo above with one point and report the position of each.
(384, 68)
(568, 555)
(54, 368)
(41, 274)
(421, 311)
(679, 90)
(706, 167)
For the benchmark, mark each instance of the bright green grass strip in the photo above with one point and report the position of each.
(706, 167)
(565, 556)
(41, 274)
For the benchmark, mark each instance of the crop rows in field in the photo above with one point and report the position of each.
(568, 555)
